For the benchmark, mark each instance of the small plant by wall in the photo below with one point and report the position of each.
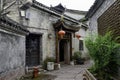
(48, 59)
(105, 52)
(77, 57)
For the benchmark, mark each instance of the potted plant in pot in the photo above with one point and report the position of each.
(48, 63)
(105, 52)
(77, 58)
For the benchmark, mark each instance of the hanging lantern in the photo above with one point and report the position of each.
(61, 33)
(78, 36)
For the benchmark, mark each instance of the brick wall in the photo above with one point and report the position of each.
(110, 20)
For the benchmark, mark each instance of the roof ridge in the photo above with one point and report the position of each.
(49, 8)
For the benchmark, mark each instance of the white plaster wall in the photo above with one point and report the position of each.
(12, 55)
(82, 32)
(41, 23)
(75, 42)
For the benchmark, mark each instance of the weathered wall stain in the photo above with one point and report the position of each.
(12, 53)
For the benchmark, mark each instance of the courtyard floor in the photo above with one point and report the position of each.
(66, 72)
(69, 72)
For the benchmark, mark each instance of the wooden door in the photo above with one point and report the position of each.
(64, 51)
(32, 50)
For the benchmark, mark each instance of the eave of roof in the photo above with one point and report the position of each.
(49, 10)
(67, 26)
(10, 25)
(94, 8)
(76, 11)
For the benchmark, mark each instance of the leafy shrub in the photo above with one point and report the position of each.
(77, 55)
(105, 53)
(48, 59)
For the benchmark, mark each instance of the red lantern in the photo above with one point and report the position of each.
(78, 36)
(61, 33)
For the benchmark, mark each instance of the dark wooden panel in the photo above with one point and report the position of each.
(110, 20)
(32, 50)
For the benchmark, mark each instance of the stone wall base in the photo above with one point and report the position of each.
(12, 74)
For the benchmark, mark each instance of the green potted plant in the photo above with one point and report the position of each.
(77, 57)
(48, 63)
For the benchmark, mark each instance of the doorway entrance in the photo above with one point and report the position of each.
(33, 50)
(64, 51)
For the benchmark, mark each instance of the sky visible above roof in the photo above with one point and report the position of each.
(82, 5)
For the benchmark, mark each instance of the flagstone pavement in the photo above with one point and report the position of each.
(69, 72)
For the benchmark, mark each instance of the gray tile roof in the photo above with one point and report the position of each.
(52, 11)
(94, 8)
(9, 24)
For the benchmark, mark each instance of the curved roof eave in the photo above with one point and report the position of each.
(49, 10)
(70, 27)
(10, 25)
(94, 8)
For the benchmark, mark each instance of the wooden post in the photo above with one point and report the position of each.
(57, 48)
(71, 46)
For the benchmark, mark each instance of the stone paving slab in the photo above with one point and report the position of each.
(69, 72)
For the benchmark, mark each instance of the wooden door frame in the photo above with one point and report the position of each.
(57, 46)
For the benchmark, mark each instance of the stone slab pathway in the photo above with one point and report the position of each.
(69, 72)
